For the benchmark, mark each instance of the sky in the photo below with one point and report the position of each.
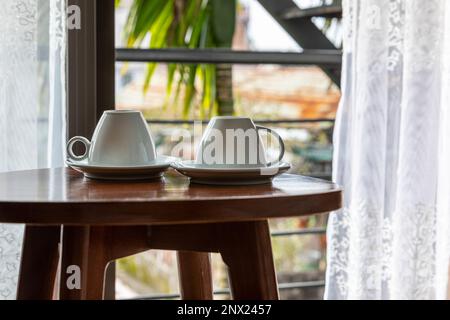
(265, 33)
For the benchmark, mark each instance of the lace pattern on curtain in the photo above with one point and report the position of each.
(32, 101)
(390, 240)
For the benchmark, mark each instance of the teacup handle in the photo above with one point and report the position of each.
(280, 141)
(71, 155)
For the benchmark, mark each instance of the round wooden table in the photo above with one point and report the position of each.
(97, 222)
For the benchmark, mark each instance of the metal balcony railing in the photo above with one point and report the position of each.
(268, 121)
(224, 292)
(325, 58)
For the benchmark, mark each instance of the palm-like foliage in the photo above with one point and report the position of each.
(187, 24)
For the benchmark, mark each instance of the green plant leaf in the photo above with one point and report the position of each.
(183, 24)
(159, 31)
(143, 15)
(209, 90)
(223, 20)
(171, 70)
(189, 90)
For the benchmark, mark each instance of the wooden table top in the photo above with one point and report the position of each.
(64, 196)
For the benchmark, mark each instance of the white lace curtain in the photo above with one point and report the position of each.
(392, 153)
(32, 103)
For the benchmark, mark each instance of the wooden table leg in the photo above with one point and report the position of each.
(74, 263)
(195, 277)
(99, 257)
(247, 251)
(109, 292)
(85, 255)
(39, 263)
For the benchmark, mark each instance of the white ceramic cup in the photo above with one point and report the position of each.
(121, 138)
(235, 142)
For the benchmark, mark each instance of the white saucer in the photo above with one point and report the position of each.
(151, 171)
(200, 173)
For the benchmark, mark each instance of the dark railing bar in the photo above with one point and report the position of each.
(331, 58)
(285, 286)
(302, 285)
(282, 287)
(321, 11)
(163, 296)
(289, 233)
(175, 122)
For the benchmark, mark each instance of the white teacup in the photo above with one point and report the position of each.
(121, 138)
(234, 142)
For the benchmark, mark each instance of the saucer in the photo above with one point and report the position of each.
(233, 176)
(151, 171)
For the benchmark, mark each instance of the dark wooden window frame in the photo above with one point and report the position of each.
(91, 66)
(90, 78)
